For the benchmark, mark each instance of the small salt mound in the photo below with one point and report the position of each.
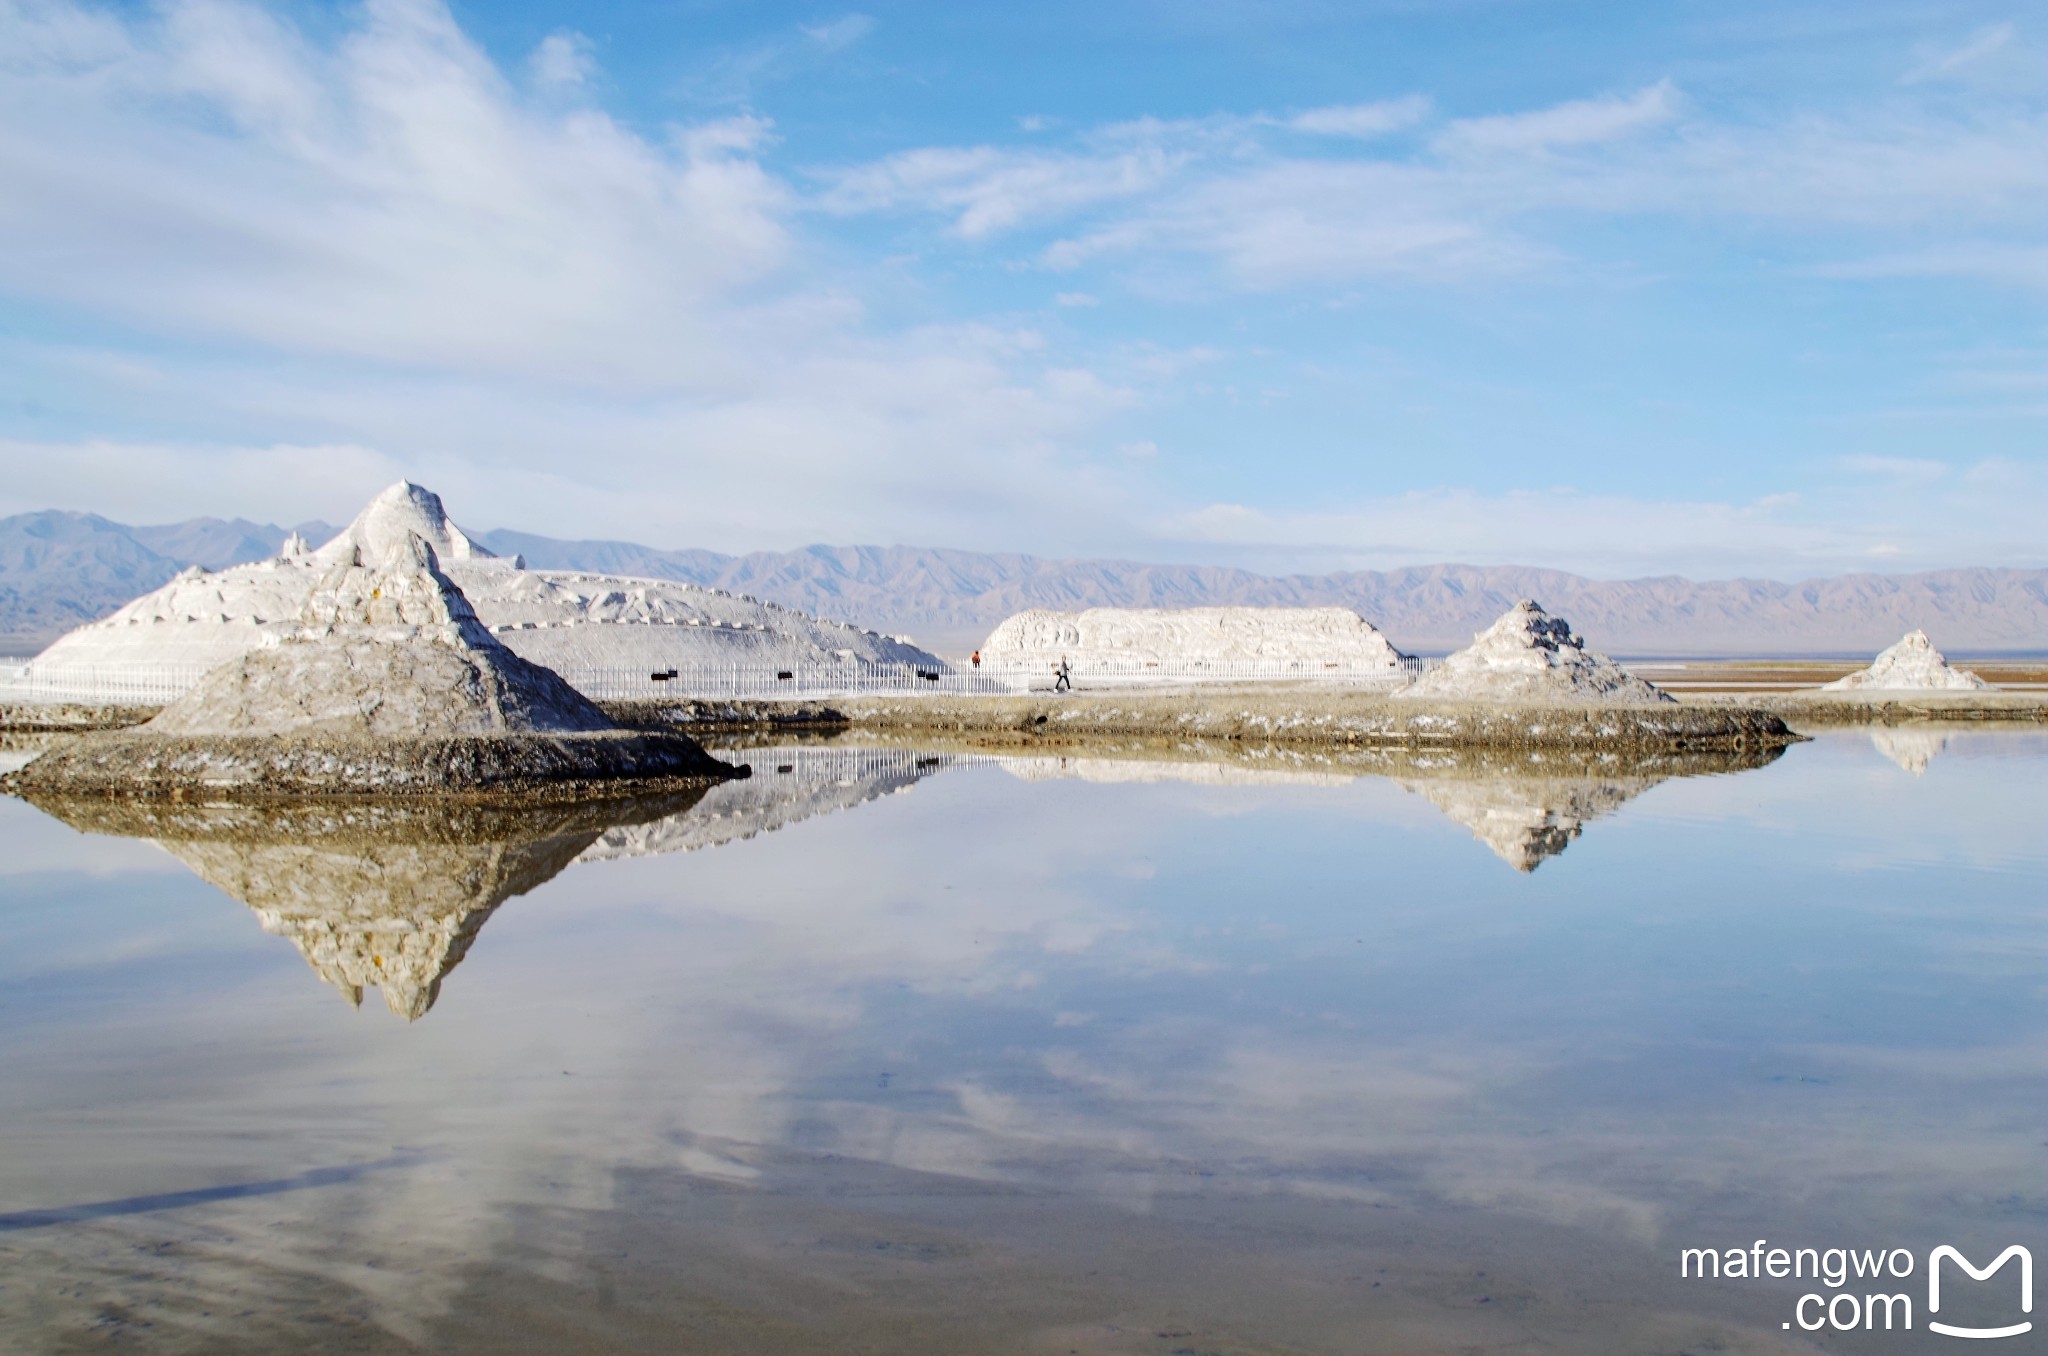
(391, 651)
(1531, 656)
(1912, 665)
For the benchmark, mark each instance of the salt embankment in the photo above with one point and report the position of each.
(1912, 665)
(1134, 637)
(387, 684)
(559, 618)
(1529, 656)
(1320, 716)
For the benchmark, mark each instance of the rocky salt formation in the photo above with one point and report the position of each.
(1529, 656)
(563, 619)
(386, 683)
(1912, 665)
(1313, 637)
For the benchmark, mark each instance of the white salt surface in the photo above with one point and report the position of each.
(1912, 665)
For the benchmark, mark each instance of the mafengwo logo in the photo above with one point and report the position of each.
(1847, 1306)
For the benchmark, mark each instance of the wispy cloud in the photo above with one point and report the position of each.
(1581, 122)
(1361, 120)
(1947, 62)
(1484, 195)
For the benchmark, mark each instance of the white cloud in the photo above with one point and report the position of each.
(1581, 122)
(987, 189)
(1362, 120)
(1489, 195)
(382, 258)
(388, 199)
(563, 61)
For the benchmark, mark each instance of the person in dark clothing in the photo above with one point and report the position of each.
(1065, 681)
(977, 659)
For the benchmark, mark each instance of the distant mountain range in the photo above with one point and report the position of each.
(60, 569)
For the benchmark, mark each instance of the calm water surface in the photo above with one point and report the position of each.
(1125, 1055)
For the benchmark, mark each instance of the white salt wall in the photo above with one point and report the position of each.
(1318, 635)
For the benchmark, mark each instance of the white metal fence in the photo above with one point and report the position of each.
(153, 685)
(103, 685)
(617, 683)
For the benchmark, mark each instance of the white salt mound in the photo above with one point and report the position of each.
(559, 618)
(1141, 635)
(1912, 665)
(386, 651)
(1531, 656)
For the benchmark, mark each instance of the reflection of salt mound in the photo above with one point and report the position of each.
(1912, 665)
(1527, 820)
(1156, 770)
(788, 785)
(1530, 807)
(1912, 750)
(1312, 636)
(373, 896)
(557, 618)
(1531, 656)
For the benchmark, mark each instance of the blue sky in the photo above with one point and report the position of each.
(1628, 289)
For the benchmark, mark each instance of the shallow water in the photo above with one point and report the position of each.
(1153, 1053)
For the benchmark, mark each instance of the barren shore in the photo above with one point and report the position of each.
(1307, 715)
(1303, 715)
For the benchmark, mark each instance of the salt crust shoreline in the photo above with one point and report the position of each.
(1302, 717)
(511, 766)
(1159, 713)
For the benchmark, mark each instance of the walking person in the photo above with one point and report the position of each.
(1065, 681)
(977, 659)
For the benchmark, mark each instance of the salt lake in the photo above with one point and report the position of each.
(922, 1050)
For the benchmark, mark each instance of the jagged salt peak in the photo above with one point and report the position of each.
(405, 598)
(1529, 655)
(384, 523)
(1912, 665)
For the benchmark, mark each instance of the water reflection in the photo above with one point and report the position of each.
(391, 896)
(790, 783)
(1912, 749)
(1177, 1053)
(1526, 806)
(382, 896)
